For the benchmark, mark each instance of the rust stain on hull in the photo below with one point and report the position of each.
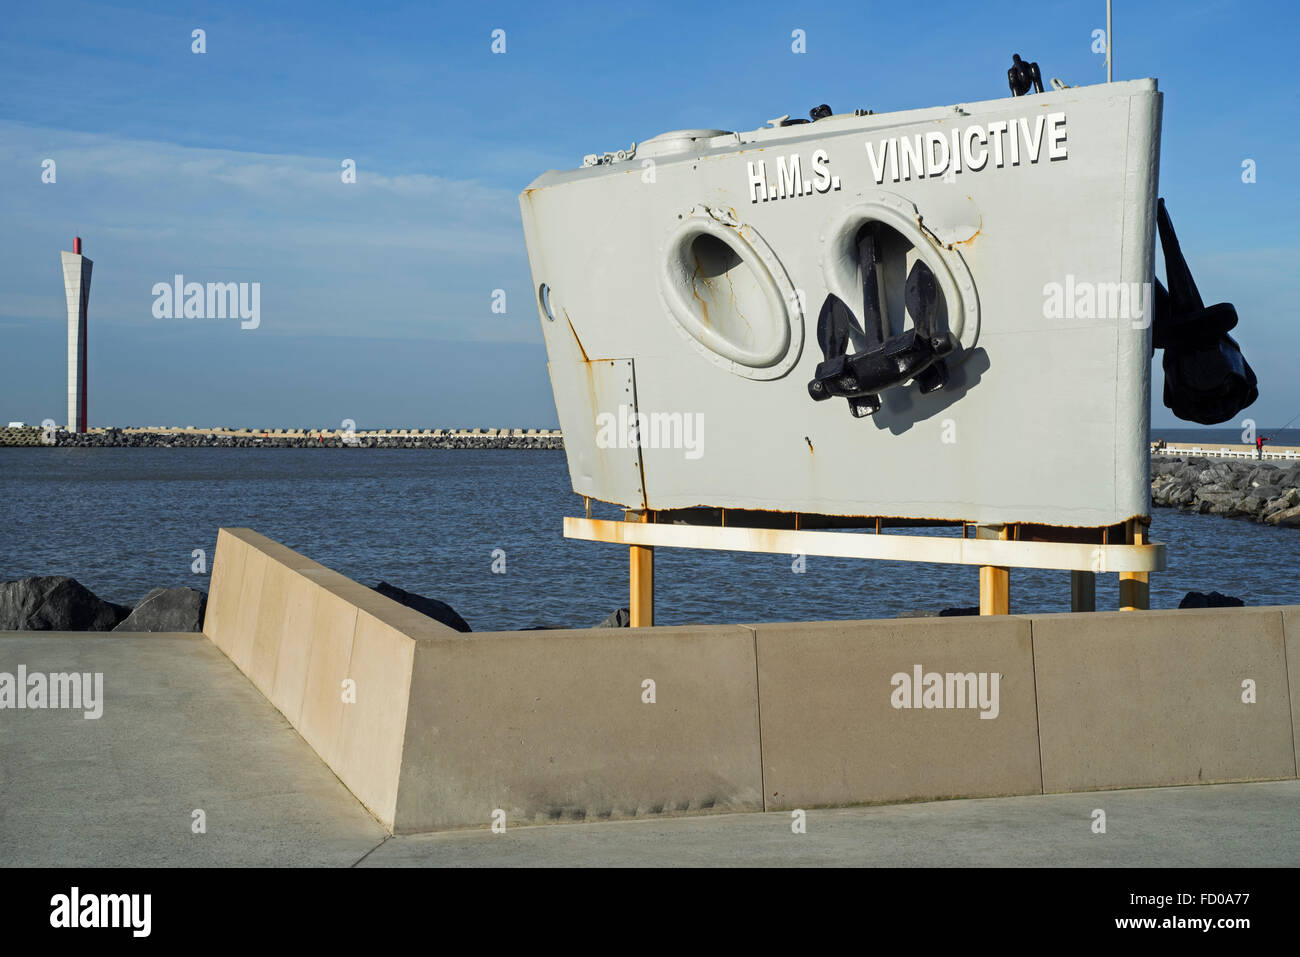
(575, 337)
(974, 236)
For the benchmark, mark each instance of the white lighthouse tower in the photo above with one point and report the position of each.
(76, 283)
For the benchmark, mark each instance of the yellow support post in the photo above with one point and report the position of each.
(995, 581)
(1135, 587)
(641, 603)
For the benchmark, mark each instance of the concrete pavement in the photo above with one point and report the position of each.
(1225, 825)
(183, 730)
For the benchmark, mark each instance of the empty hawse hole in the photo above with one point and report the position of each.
(544, 298)
(725, 291)
(894, 256)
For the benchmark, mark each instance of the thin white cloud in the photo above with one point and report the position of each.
(400, 255)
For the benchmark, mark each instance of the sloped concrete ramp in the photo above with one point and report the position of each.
(181, 731)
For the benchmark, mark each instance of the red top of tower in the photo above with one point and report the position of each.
(76, 245)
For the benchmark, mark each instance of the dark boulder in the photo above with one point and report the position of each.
(1283, 517)
(1182, 493)
(168, 609)
(437, 610)
(1216, 501)
(1196, 599)
(1267, 492)
(940, 613)
(621, 618)
(55, 603)
(1252, 503)
(1263, 475)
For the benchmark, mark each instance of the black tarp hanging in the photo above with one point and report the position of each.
(1207, 379)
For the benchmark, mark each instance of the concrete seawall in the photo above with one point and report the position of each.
(432, 729)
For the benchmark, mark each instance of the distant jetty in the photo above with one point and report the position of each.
(191, 437)
(1183, 450)
(1225, 481)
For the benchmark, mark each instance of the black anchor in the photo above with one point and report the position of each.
(882, 363)
(1207, 379)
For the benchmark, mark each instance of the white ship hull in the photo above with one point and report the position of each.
(680, 290)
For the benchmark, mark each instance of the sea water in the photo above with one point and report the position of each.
(482, 530)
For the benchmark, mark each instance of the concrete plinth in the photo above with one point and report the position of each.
(433, 729)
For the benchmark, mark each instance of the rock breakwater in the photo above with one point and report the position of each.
(287, 438)
(1234, 489)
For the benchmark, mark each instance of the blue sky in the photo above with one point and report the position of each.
(376, 296)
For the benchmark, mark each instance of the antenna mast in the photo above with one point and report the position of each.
(1109, 72)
